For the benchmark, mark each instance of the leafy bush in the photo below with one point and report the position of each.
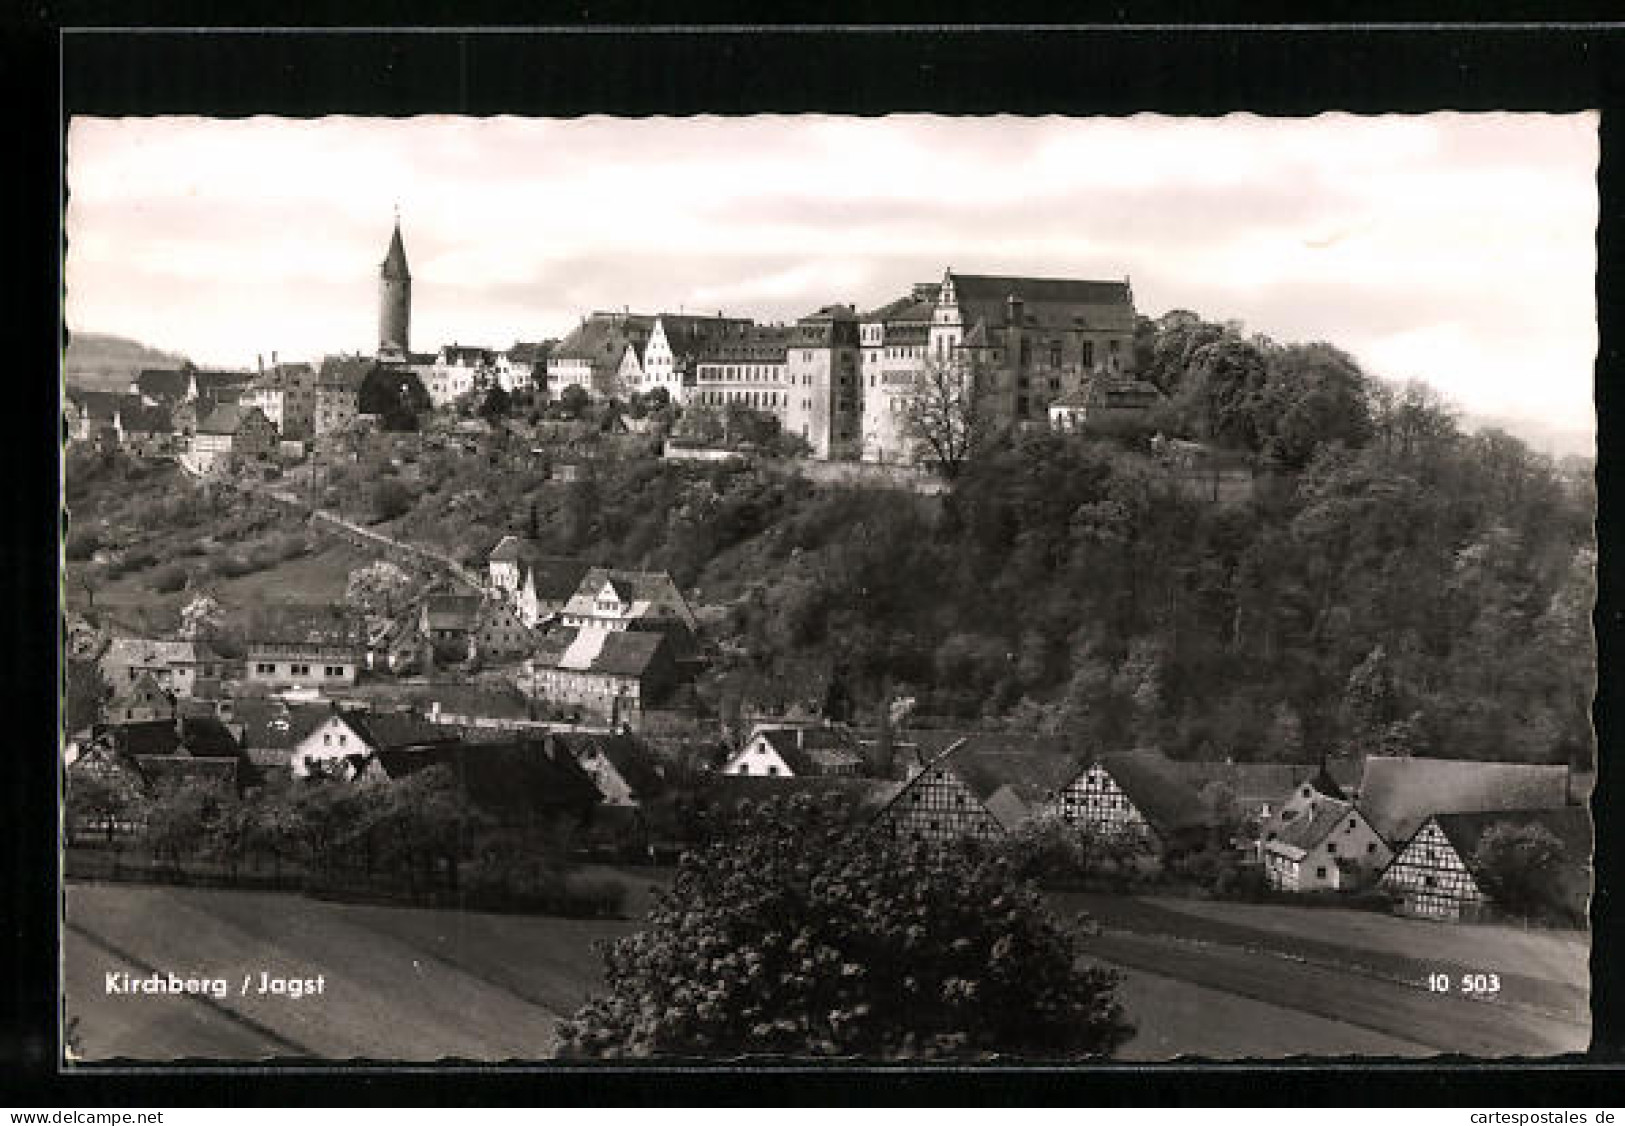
(796, 934)
(390, 498)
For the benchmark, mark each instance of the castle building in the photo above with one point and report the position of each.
(394, 302)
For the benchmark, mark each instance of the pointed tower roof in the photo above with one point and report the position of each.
(394, 264)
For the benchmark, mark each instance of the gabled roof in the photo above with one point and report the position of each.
(480, 700)
(141, 652)
(1304, 833)
(452, 611)
(631, 758)
(908, 309)
(272, 725)
(140, 419)
(154, 737)
(1047, 303)
(605, 337)
(1571, 825)
(555, 577)
(1398, 794)
(229, 418)
(465, 355)
(386, 731)
(644, 589)
(141, 688)
(807, 750)
(343, 373)
(989, 761)
(530, 353)
(515, 777)
(1149, 780)
(101, 406)
(1253, 783)
(163, 385)
(292, 623)
(757, 344)
(612, 652)
(206, 736)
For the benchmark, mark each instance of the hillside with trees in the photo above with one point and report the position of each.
(1384, 582)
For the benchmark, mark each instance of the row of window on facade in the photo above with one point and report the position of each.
(268, 668)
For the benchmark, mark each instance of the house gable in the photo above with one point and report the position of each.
(759, 758)
(333, 739)
(937, 806)
(1431, 877)
(1095, 802)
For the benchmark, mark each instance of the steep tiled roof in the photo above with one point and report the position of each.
(1051, 303)
(759, 344)
(508, 779)
(987, 761)
(1253, 783)
(291, 623)
(343, 373)
(1398, 794)
(228, 418)
(1304, 833)
(452, 611)
(139, 419)
(1154, 787)
(1571, 825)
(604, 338)
(101, 406)
(612, 653)
(163, 385)
(631, 758)
(384, 731)
(646, 587)
(808, 750)
(161, 769)
(466, 355)
(530, 353)
(141, 652)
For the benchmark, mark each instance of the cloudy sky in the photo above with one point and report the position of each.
(1458, 249)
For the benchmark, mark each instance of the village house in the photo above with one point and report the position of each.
(612, 600)
(330, 746)
(141, 702)
(521, 783)
(623, 769)
(1331, 847)
(175, 666)
(516, 369)
(231, 435)
(266, 731)
(304, 647)
(1398, 795)
(1433, 877)
(610, 674)
(458, 370)
(937, 805)
(676, 343)
(286, 395)
(602, 356)
(1103, 399)
(448, 622)
(797, 752)
(500, 635)
(538, 585)
(1137, 792)
(338, 393)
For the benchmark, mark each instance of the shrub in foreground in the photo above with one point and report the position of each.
(796, 935)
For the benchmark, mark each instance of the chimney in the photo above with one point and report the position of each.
(434, 709)
(1014, 308)
(259, 360)
(801, 738)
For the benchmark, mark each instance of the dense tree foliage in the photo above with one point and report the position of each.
(1514, 864)
(798, 935)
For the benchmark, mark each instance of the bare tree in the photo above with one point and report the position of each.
(947, 418)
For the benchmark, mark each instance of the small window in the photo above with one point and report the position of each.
(1370, 847)
(1320, 873)
(1331, 848)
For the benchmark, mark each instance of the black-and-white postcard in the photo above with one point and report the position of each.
(907, 588)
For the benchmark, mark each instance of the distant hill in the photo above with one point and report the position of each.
(102, 362)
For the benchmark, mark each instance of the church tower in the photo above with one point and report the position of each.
(394, 301)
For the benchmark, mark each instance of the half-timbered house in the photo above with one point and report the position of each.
(937, 806)
(1136, 792)
(1432, 876)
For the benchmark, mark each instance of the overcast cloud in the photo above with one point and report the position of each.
(1458, 249)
